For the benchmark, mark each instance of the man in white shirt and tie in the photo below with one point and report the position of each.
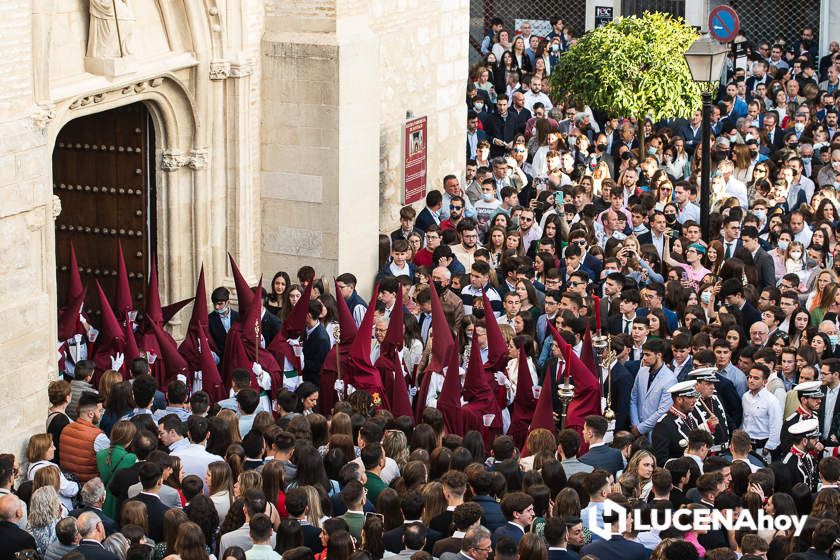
(762, 412)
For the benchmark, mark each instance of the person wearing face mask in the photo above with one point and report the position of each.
(221, 318)
(478, 101)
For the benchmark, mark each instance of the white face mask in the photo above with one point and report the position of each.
(795, 255)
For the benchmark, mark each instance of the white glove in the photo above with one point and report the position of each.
(117, 361)
(182, 378)
(339, 386)
(82, 319)
(350, 390)
(263, 378)
(412, 392)
(501, 378)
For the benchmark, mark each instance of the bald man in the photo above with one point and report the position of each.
(13, 539)
(758, 334)
(92, 532)
(451, 302)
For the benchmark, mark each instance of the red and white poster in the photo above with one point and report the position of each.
(414, 170)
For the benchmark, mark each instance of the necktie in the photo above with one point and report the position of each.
(627, 326)
(728, 254)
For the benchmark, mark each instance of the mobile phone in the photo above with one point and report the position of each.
(558, 198)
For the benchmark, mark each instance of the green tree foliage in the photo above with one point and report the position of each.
(632, 67)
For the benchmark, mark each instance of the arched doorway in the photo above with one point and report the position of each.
(103, 172)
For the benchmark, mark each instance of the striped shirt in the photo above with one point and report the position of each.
(468, 294)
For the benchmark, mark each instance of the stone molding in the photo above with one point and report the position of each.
(123, 91)
(173, 160)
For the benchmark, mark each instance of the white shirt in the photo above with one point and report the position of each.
(194, 458)
(828, 409)
(531, 98)
(389, 472)
(762, 417)
(737, 189)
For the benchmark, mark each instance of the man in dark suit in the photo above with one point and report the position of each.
(600, 455)
(482, 483)
(556, 536)
(463, 517)
(221, 318)
(764, 266)
(269, 326)
(775, 135)
(428, 215)
(518, 508)
(93, 495)
(617, 546)
(501, 127)
(732, 293)
(93, 533)
(619, 385)
(412, 510)
(297, 503)
(692, 132)
(316, 344)
(12, 538)
(151, 477)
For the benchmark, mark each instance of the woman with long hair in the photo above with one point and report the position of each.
(294, 292)
(311, 470)
(278, 298)
(40, 452)
(819, 299)
(273, 484)
(190, 543)
(219, 481)
(434, 502)
(713, 259)
(532, 547)
(233, 424)
(642, 464)
(44, 512)
(118, 403)
(528, 298)
(495, 245)
(114, 459)
(372, 532)
(520, 57)
(135, 512)
(173, 518)
(339, 546)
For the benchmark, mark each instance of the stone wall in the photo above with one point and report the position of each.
(423, 67)
(353, 69)
(27, 277)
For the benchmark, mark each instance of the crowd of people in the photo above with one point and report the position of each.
(551, 331)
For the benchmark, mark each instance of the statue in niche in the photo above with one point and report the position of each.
(111, 29)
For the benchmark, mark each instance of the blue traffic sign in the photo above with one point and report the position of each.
(724, 24)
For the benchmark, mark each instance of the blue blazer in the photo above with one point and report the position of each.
(562, 555)
(617, 547)
(508, 530)
(315, 349)
(492, 516)
(647, 404)
(424, 220)
(604, 457)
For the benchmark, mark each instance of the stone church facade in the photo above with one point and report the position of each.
(270, 129)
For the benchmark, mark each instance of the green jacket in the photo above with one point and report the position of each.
(109, 461)
(374, 486)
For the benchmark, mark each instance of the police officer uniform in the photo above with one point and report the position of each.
(800, 463)
(670, 435)
(701, 415)
(810, 389)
